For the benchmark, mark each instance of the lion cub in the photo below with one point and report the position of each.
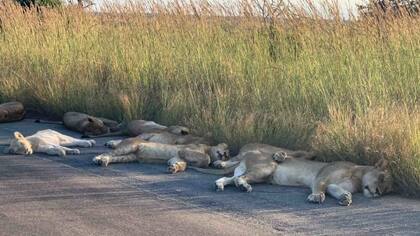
(46, 141)
(11, 111)
(338, 179)
(177, 156)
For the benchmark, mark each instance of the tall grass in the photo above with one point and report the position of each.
(348, 90)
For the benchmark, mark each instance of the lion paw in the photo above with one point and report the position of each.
(219, 164)
(87, 143)
(243, 185)
(110, 144)
(73, 152)
(345, 199)
(92, 142)
(219, 187)
(101, 160)
(61, 152)
(279, 157)
(175, 168)
(316, 197)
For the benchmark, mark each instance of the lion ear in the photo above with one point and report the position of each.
(382, 164)
(18, 135)
(90, 119)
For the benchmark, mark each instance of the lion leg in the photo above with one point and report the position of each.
(52, 150)
(106, 159)
(113, 143)
(68, 141)
(71, 151)
(225, 164)
(243, 182)
(344, 197)
(79, 143)
(222, 182)
(176, 165)
(318, 192)
(303, 155)
(124, 150)
(194, 158)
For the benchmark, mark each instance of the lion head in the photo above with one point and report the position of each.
(94, 126)
(377, 181)
(19, 145)
(178, 130)
(219, 152)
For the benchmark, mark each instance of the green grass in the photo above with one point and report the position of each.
(348, 90)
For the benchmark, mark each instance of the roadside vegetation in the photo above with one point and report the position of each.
(350, 90)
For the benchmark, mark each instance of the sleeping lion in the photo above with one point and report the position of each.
(137, 127)
(11, 111)
(265, 149)
(176, 156)
(46, 141)
(85, 124)
(166, 137)
(338, 179)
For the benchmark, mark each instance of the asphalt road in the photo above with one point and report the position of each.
(46, 195)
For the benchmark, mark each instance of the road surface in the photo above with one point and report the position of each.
(47, 195)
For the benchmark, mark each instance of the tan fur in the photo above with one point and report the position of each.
(46, 141)
(338, 179)
(88, 125)
(11, 111)
(264, 149)
(138, 127)
(177, 156)
(166, 137)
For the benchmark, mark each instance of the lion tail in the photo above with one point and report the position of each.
(49, 122)
(225, 171)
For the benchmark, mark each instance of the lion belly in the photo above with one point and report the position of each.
(157, 151)
(46, 137)
(291, 177)
(296, 172)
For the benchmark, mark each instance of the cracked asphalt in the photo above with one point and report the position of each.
(48, 195)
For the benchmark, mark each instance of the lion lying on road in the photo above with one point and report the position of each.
(265, 149)
(166, 137)
(86, 124)
(177, 156)
(338, 179)
(138, 127)
(11, 111)
(46, 141)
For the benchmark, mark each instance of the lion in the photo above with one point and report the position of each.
(266, 149)
(178, 157)
(166, 137)
(86, 124)
(338, 179)
(11, 111)
(46, 141)
(138, 127)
